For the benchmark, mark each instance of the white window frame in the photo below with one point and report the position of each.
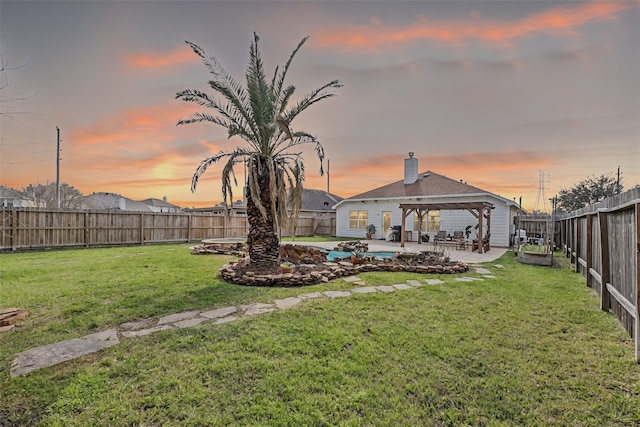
(361, 220)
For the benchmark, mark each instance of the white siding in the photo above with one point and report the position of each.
(450, 221)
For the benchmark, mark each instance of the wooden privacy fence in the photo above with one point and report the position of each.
(603, 241)
(26, 229)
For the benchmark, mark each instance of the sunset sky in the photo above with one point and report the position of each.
(490, 92)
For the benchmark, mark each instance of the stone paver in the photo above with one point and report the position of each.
(402, 286)
(434, 281)
(464, 279)
(225, 320)
(351, 279)
(52, 354)
(177, 317)
(145, 332)
(385, 288)
(365, 290)
(337, 294)
(189, 323)
(359, 283)
(257, 308)
(498, 265)
(137, 324)
(482, 270)
(220, 312)
(414, 282)
(311, 295)
(287, 302)
(489, 276)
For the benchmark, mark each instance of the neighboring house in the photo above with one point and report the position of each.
(116, 202)
(157, 205)
(382, 208)
(10, 198)
(318, 202)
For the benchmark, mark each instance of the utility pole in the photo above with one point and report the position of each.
(328, 176)
(618, 180)
(58, 169)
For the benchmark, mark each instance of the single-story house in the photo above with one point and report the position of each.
(426, 203)
(116, 202)
(10, 198)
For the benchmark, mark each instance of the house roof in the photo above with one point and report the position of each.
(428, 184)
(158, 203)
(312, 200)
(111, 201)
(10, 193)
(318, 200)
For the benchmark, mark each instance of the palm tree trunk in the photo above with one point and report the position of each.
(263, 242)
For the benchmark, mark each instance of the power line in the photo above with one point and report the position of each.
(541, 195)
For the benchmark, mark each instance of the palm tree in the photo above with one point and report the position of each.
(260, 114)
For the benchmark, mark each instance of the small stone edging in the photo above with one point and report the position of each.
(53, 354)
(331, 271)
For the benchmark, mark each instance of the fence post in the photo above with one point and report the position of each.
(637, 323)
(14, 229)
(589, 248)
(86, 229)
(141, 229)
(605, 302)
(189, 228)
(578, 244)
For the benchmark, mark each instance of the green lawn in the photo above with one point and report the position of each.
(530, 347)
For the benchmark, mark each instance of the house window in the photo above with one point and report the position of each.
(358, 220)
(433, 221)
(416, 222)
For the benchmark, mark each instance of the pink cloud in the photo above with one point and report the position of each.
(556, 20)
(159, 60)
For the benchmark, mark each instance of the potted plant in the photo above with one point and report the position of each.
(357, 257)
(371, 230)
(287, 267)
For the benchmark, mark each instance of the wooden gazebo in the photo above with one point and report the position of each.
(477, 209)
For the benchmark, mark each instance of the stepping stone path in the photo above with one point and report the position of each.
(53, 354)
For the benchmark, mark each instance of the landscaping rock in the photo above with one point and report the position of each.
(337, 294)
(145, 332)
(365, 290)
(220, 312)
(177, 317)
(287, 302)
(257, 309)
(310, 295)
(136, 324)
(53, 354)
(188, 323)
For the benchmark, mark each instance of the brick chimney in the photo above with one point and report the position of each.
(410, 169)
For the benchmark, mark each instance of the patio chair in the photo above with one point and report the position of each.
(485, 241)
(441, 236)
(458, 238)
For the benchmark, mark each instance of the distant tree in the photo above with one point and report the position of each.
(260, 114)
(44, 196)
(7, 103)
(588, 191)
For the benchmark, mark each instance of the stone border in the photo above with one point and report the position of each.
(327, 271)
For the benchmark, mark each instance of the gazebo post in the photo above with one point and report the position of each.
(480, 235)
(402, 228)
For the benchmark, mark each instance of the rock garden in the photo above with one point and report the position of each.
(304, 265)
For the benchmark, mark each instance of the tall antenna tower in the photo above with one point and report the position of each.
(541, 196)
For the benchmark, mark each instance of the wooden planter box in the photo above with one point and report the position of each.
(535, 258)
